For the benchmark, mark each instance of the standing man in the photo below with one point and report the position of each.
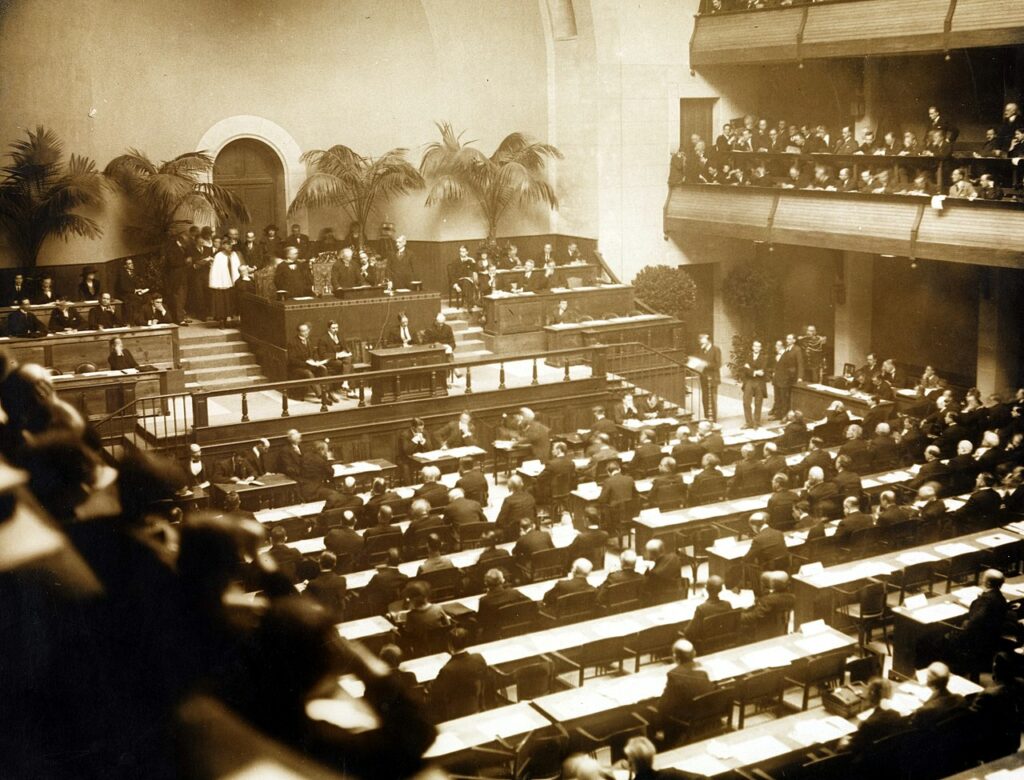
(710, 375)
(755, 388)
(813, 347)
(401, 265)
(788, 369)
(176, 257)
(269, 248)
(299, 240)
(128, 287)
(249, 250)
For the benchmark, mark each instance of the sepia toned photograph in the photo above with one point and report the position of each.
(511, 389)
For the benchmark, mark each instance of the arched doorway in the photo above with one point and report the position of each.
(253, 172)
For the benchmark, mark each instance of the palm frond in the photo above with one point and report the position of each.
(189, 165)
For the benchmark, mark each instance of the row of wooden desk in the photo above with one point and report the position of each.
(155, 345)
(44, 310)
(654, 330)
(814, 591)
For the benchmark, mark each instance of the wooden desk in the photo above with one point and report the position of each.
(156, 345)
(484, 728)
(508, 653)
(814, 598)
(511, 452)
(606, 694)
(43, 311)
(814, 399)
(572, 274)
(529, 312)
(375, 625)
(910, 626)
(654, 330)
(425, 384)
(97, 394)
(274, 490)
(446, 458)
(365, 471)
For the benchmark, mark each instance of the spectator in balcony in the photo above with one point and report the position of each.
(723, 143)
(822, 178)
(776, 141)
(710, 174)
(846, 182)
(937, 145)
(795, 179)
(697, 161)
(881, 184)
(910, 145)
(817, 141)
(1012, 121)
(759, 176)
(846, 144)
(738, 177)
(961, 187)
(797, 143)
(1016, 148)
(677, 169)
(991, 146)
(869, 145)
(937, 122)
(866, 181)
(762, 136)
(890, 146)
(745, 141)
(921, 185)
(987, 189)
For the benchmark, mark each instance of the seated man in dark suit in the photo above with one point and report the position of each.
(625, 573)
(492, 554)
(304, 364)
(767, 544)
(941, 702)
(883, 446)
(853, 520)
(234, 468)
(64, 316)
(687, 452)
(846, 479)
(284, 556)
(773, 462)
(289, 457)
(781, 503)
(421, 520)
(714, 605)
(882, 722)
(890, 513)
(708, 475)
(104, 315)
(413, 440)
(602, 424)
(316, 476)
(559, 473)
(983, 503)
(533, 539)
(663, 580)
(930, 508)
(767, 618)
(458, 433)
(617, 491)
(432, 489)
(344, 541)
(575, 583)
(498, 595)
(590, 542)
(424, 619)
(972, 647)
(472, 481)
(822, 494)
(518, 505)
(818, 456)
(854, 446)
(22, 323)
(155, 312)
(963, 468)
(685, 682)
(932, 470)
(667, 487)
(329, 588)
(461, 510)
(460, 687)
(386, 585)
(648, 455)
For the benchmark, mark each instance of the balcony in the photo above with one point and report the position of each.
(977, 232)
(853, 28)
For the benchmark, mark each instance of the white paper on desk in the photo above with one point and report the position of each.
(821, 643)
(706, 765)
(914, 557)
(1017, 527)
(310, 508)
(747, 504)
(502, 444)
(445, 744)
(1018, 773)
(872, 569)
(531, 467)
(812, 568)
(996, 539)
(721, 669)
(939, 612)
(649, 515)
(954, 549)
(770, 657)
(820, 730)
(813, 627)
(917, 601)
(754, 750)
(271, 515)
(512, 723)
(741, 600)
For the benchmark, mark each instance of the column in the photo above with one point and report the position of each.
(853, 310)
(999, 330)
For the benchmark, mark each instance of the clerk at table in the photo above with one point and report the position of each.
(119, 357)
(64, 316)
(458, 433)
(104, 316)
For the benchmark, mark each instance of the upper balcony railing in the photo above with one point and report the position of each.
(776, 31)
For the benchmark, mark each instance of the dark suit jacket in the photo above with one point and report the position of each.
(474, 484)
(936, 709)
(99, 318)
(788, 368)
(780, 509)
(703, 612)
(565, 587)
(299, 353)
(538, 436)
(384, 588)
(765, 546)
(451, 435)
(616, 577)
(289, 462)
(985, 619)
(850, 524)
(60, 321)
(194, 480)
(24, 324)
(343, 542)
(682, 685)
(514, 508)
(765, 617)
(329, 590)
(294, 281)
(662, 580)
(713, 357)
(687, 452)
(487, 612)
(227, 468)
(820, 458)
(439, 334)
(434, 492)
(617, 489)
(646, 456)
(409, 448)
(314, 472)
(756, 383)
(459, 688)
(257, 461)
(462, 511)
(933, 470)
(982, 503)
(532, 541)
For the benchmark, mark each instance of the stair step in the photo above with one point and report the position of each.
(222, 359)
(202, 348)
(248, 369)
(226, 382)
(478, 354)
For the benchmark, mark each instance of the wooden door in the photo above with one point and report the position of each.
(253, 172)
(696, 115)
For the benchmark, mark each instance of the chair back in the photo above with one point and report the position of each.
(533, 680)
(708, 491)
(445, 584)
(872, 600)
(471, 534)
(561, 486)
(85, 368)
(721, 631)
(515, 619)
(915, 577)
(623, 596)
(381, 543)
(707, 712)
(573, 607)
(764, 684)
(547, 564)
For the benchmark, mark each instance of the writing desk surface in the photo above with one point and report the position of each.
(481, 728)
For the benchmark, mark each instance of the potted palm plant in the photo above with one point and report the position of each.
(165, 199)
(40, 194)
(515, 174)
(344, 179)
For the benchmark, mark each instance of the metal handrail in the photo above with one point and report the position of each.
(658, 352)
(117, 413)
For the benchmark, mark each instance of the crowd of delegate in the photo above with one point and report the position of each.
(733, 158)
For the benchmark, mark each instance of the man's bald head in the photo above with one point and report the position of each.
(992, 579)
(683, 651)
(653, 549)
(936, 676)
(714, 585)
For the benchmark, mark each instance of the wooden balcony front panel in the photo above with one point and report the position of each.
(873, 27)
(852, 223)
(739, 38)
(720, 210)
(965, 233)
